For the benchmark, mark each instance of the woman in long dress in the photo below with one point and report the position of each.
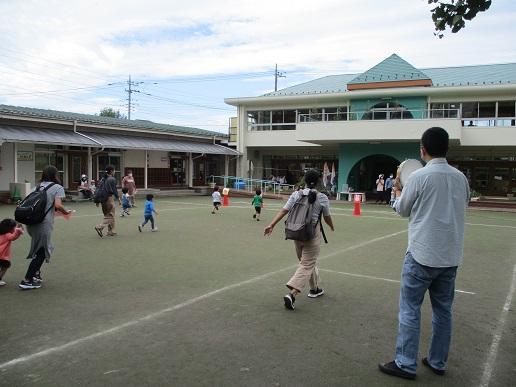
(41, 247)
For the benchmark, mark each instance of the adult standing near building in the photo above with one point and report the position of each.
(380, 185)
(307, 251)
(41, 247)
(129, 183)
(105, 196)
(435, 200)
(389, 182)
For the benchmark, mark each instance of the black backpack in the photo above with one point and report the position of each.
(101, 194)
(33, 209)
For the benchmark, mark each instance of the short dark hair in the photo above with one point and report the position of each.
(312, 177)
(258, 191)
(149, 196)
(435, 141)
(110, 168)
(50, 173)
(216, 188)
(125, 190)
(7, 226)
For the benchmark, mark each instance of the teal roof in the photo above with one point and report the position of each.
(390, 69)
(142, 125)
(493, 74)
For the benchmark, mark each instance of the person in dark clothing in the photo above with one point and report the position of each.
(108, 206)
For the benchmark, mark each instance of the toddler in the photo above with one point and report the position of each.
(148, 213)
(9, 231)
(257, 203)
(126, 204)
(216, 199)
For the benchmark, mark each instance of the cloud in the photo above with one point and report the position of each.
(54, 45)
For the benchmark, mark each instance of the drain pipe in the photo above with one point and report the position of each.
(88, 137)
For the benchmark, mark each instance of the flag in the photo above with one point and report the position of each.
(326, 173)
(333, 174)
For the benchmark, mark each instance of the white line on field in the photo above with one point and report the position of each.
(152, 316)
(497, 337)
(379, 278)
(161, 210)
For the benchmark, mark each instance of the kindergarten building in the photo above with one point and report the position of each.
(160, 156)
(366, 124)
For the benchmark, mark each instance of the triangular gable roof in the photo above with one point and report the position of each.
(391, 72)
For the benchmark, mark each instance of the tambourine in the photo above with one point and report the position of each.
(406, 168)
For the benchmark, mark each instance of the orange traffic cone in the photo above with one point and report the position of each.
(356, 210)
(225, 201)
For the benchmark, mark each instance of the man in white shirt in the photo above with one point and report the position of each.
(435, 199)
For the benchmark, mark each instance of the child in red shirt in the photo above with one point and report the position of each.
(9, 231)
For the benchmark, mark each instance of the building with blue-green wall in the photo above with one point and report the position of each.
(361, 125)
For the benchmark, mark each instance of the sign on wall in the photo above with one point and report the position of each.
(24, 156)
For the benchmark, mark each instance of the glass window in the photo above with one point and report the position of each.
(506, 109)
(336, 113)
(114, 160)
(277, 117)
(289, 116)
(470, 109)
(487, 109)
(44, 159)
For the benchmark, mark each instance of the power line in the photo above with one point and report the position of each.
(174, 101)
(109, 85)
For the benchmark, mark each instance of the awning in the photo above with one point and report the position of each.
(43, 136)
(161, 144)
(123, 141)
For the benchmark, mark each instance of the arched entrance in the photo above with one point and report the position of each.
(364, 173)
(387, 111)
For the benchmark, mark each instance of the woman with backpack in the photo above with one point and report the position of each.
(308, 242)
(41, 247)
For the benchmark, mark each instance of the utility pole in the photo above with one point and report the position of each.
(130, 90)
(277, 75)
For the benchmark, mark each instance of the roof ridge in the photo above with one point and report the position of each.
(473, 65)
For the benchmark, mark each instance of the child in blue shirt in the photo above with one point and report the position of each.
(126, 204)
(148, 213)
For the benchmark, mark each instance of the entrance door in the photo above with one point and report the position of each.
(78, 167)
(178, 171)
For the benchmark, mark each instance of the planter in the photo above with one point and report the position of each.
(19, 190)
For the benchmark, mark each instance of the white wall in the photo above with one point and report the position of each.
(274, 138)
(159, 159)
(6, 165)
(134, 159)
(495, 136)
(26, 168)
(381, 130)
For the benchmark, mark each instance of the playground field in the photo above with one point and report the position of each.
(199, 303)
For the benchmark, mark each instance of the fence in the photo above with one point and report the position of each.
(251, 185)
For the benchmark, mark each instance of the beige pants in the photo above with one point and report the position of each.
(307, 253)
(108, 209)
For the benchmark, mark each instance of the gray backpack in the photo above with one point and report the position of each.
(299, 225)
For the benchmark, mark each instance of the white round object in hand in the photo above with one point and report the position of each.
(406, 168)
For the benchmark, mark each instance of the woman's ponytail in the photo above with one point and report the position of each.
(311, 180)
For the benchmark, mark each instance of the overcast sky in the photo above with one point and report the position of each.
(76, 55)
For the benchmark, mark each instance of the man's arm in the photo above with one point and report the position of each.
(405, 198)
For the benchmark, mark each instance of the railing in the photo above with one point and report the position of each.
(251, 185)
(381, 114)
(488, 122)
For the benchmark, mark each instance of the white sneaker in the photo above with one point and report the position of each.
(154, 229)
(3, 283)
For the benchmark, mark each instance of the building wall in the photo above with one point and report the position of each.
(26, 168)
(6, 165)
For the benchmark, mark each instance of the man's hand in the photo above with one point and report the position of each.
(97, 204)
(268, 230)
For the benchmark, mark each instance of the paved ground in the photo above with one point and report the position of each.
(199, 303)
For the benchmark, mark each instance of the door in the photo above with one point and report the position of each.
(78, 167)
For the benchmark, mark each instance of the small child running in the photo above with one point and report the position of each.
(148, 213)
(126, 204)
(216, 199)
(9, 231)
(257, 203)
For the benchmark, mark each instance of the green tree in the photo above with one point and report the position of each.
(110, 112)
(454, 13)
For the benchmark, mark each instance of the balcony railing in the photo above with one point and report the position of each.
(381, 114)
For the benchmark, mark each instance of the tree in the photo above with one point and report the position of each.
(453, 14)
(110, 112)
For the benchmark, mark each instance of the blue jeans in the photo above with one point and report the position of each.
(415, 280)
(146, 218)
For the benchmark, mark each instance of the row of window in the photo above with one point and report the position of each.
(494, 113)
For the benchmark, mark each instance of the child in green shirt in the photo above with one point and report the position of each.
(257, 203)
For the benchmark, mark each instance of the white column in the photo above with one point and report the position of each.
(226, 165)
(15, 160)
(190, 170)
(90, 164)
(145, 170)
